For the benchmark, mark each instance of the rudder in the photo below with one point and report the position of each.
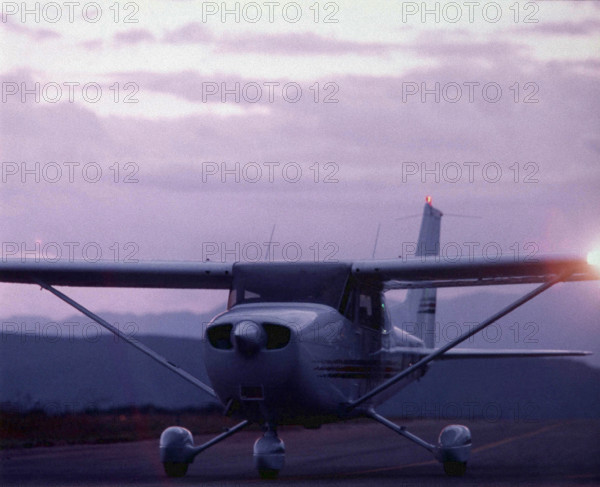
(421, 303)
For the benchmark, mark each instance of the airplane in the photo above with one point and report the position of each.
(313, 342)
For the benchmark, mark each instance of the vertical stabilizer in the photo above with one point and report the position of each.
(421, 303)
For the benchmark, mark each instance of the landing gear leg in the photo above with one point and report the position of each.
(452, 449)
(269, 453)
(177, 448)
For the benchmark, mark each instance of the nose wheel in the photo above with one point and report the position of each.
(268, 474)
(269, 453)
(455, 469)
(175, 469)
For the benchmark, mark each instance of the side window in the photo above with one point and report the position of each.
(369, 310)
(232, 298)
(385, 312)
(365, 310)
(350, 306)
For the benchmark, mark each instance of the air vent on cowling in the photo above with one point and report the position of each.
(278, 336)
(219, 336)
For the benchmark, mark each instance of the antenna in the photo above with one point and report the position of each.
(463, 216)
(268, 254)
(428, 200)
(376, 240)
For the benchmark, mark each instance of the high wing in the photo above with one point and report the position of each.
(166, 275)
(435, 271)
(173, 275)
(394, 273)
(430, 272)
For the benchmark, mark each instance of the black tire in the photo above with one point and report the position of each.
(175, 469)
(455, 469)
(268, 473)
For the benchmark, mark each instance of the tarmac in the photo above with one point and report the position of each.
(505, 453)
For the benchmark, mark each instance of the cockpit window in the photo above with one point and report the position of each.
(301, 282)
(370, 308)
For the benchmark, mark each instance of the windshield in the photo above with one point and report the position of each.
(322, 283)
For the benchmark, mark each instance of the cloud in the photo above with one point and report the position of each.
(192, 33)
(184, 84)
(298, 44)
(38, 34)
(134, 36)
(455, 46)
(295, 44)
(92, 44)
(585, 27)
(369, 133)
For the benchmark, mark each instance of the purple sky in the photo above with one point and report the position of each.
(370, 144)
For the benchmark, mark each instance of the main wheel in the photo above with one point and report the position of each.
(175, 469)
(268, 473)
(455, 469)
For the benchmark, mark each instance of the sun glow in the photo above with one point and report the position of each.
(593, 257)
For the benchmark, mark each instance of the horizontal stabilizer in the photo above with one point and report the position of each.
(464, 353)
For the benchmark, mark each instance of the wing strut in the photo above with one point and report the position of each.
(132, 341)
(440, 351)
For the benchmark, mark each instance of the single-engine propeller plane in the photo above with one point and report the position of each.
(312, 342)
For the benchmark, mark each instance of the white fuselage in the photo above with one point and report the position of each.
(327, 361)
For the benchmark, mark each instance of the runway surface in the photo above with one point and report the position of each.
(349, 454)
